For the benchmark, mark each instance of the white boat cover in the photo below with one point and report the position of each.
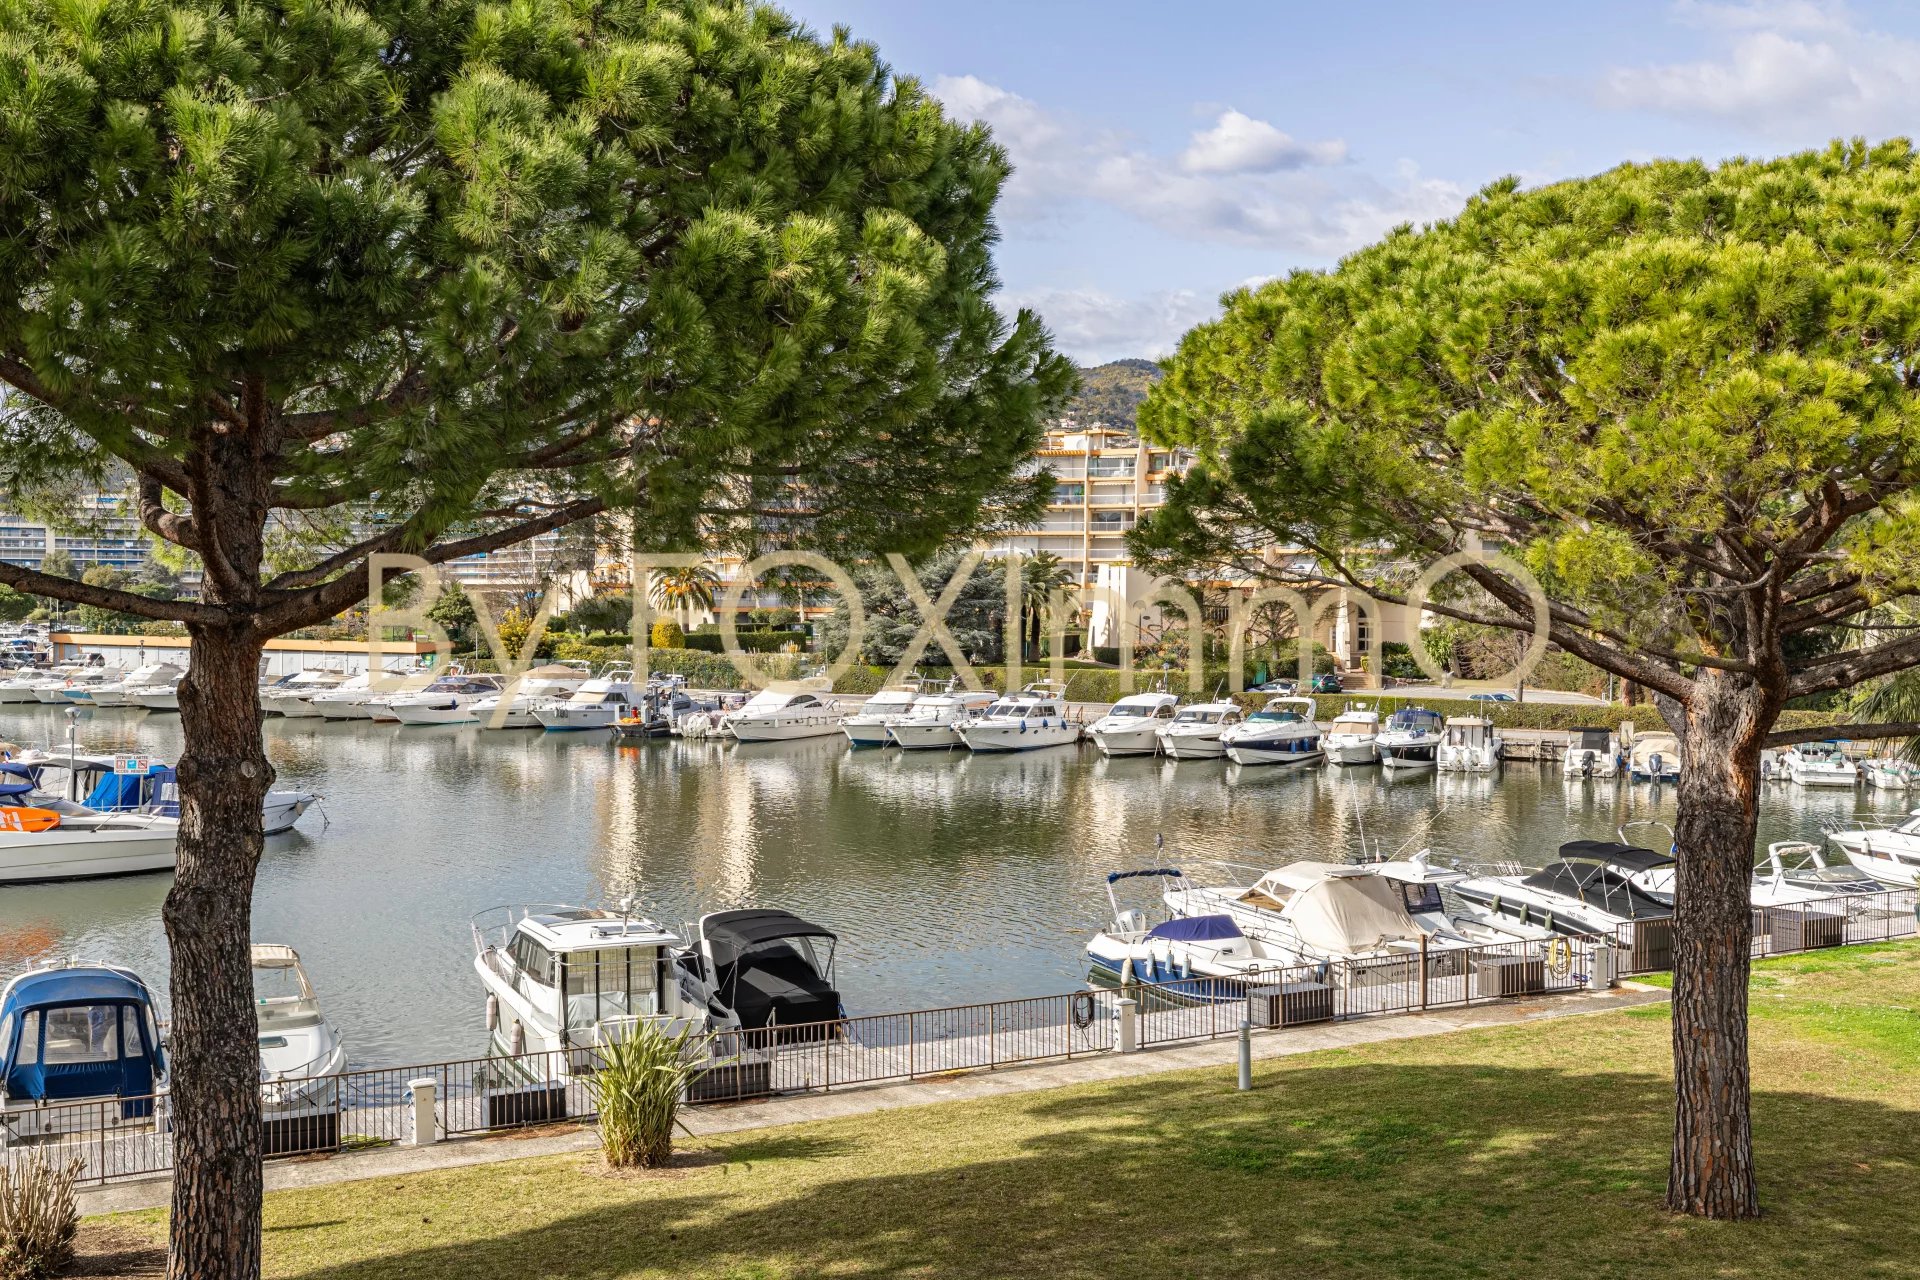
(1351, 914)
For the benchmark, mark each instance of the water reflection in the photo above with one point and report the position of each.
(951, 877)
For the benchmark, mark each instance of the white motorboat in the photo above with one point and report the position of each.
(1589, 890)
(1132, 725)
(449, 700)
(1282, 732)
(81, 684)
(1206, 958)
(292, 697)
(114, 693)
(867, 727)
(1797, 871)
(45, 837)
(1889, 854)
(596, 704)
(1195, 732)
(48, 686)
(1591, 753)
(301, 1054)
(72, 1033)
(1819, 764)
(514, 706)
(106, 783)
(931, 723)
(777, 715)
(163, 695)
(1890, 773)
(1410, 739)
(1316, 910)
(18, 685)
(1353, 737)
(1470, 745)
(1032, 718)
(1654, 757)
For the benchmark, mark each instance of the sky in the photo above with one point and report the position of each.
(1166, 154)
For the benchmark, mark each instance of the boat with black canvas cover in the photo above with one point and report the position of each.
(1590, 889)
(759, 967)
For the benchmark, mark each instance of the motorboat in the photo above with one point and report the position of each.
(1819, 764)
(663, 704)
(1470, 744)
(80, 685)
(1353, 737)
(1207, 958)
(1889, 854)
(115, 784)
(449, 700)
(514, 706)
(1195, 731)
(1654, 757)
(1032, 718)
(77, 1032)
(1420, 883)
(292, 697)
(1316, 910)
(1591, 753)
(1797, 871)
(1890, 773)
(46, 837)
(1282, 732)
(380, 694)
(867, 727)
(114, 693)
(163, 695)
(759, 968)
(777, 715)
(18, 685)
(1590, 890)
(301, 1054)
(51, 685)
(1410, 739)
(354, 697)
(596, 704)
(1132, 725)
(931, 724)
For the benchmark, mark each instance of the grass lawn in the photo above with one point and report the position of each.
(1531, 1151)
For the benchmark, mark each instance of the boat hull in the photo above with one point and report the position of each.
(783, 728)
(566, 716)
(1352, 751)
(1889, 864)
(996, 738)
(1410, 755)
(15, 693)
(291, 708)
(867, 734)
(1587, 763)
(1192, 746)
(925, 737)
(26, 858)
(1132, 741)
(282, 809)
(457, 713)
(159, 699)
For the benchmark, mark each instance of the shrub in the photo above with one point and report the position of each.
(638, 1089)
(38, 1217)
(667, 634)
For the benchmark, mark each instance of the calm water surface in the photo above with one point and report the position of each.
(950, 878)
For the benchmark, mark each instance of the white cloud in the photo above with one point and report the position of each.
(1093, 326)
(1796, 69)
(1242, 182)
(1238, 143)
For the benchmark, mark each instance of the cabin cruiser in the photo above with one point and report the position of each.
(81, 684)
(1819, 764)
(1282, 732)
(354, 698)
(1132, 725)
(1470, 745)
(449, 700)
(1201, 957)
(1317, 910)
(1195, 732)
(50, 685)
(18, 685)
(774, 715)
(1890, 855)
(163, 695)
(514, 706)
(293, 696)
(1797, 871)
(47, 838)
(1590, 890)
(1890, 773)
(1420, 883)
(1654, 757)
(114, 693)
(758, 968)
(932, 722)
(1034, 717)
(1410, 739)
(867, 727)
(1591, 753)
(135, 784)
(77, 1032)
(301, 1055)
(1352, 738)
(596, 704)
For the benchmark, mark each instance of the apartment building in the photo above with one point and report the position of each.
(107, 532)
(1105, 479)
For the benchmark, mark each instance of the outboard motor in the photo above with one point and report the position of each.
(1586, 764)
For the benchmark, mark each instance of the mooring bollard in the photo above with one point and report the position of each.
(425, 1128)
(1126, 1027)
(1246, 1055)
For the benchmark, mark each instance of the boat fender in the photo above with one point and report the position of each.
(516, 1039)
(493, 1012)
(1126, 972)
(1083, 1004)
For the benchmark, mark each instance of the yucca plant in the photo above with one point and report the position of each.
(638, 1089)
(38, 1216)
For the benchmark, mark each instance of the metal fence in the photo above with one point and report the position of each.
(130, 1137)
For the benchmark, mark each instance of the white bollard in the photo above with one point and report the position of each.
(1600, 967)
(426, 1128)
(1126, 1029)
(1246, 1055)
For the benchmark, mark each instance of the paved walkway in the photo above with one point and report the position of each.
(387, 1162)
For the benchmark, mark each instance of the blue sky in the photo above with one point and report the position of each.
(1167, 153)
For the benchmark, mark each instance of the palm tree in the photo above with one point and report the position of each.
(1040, 574)
(684, 591)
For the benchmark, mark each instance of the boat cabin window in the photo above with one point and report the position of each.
(533, 959)
(1911, 827)
(1124, 712)
(1273, 717)
(29, 1040)
(604, 985)
(1421, 897)
(1200, 717)
(82, 1033)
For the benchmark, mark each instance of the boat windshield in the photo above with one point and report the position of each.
(1194, 715)
(1911, 827)
(1275, 717)
(1122, 711)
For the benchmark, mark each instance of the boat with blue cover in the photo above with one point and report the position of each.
(76, 1033)
(1203, 958)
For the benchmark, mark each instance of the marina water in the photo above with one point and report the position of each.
(950, 878)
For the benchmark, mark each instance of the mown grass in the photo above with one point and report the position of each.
(1527, 1151)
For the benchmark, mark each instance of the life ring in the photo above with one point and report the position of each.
(1083, 1009)
(1559, 955)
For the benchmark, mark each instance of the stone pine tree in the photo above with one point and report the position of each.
(1687, 399)
(450, 275)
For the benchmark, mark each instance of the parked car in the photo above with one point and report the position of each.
(1490, 697)
(1284, 688)
(1324, 684)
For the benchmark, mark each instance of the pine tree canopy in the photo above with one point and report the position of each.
(473, 271)
(1686, 398)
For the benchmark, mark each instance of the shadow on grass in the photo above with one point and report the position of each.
(1362, 1170)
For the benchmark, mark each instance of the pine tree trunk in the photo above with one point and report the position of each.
(224, 777)
(1720, 731)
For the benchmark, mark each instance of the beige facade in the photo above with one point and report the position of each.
(1105, 479)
